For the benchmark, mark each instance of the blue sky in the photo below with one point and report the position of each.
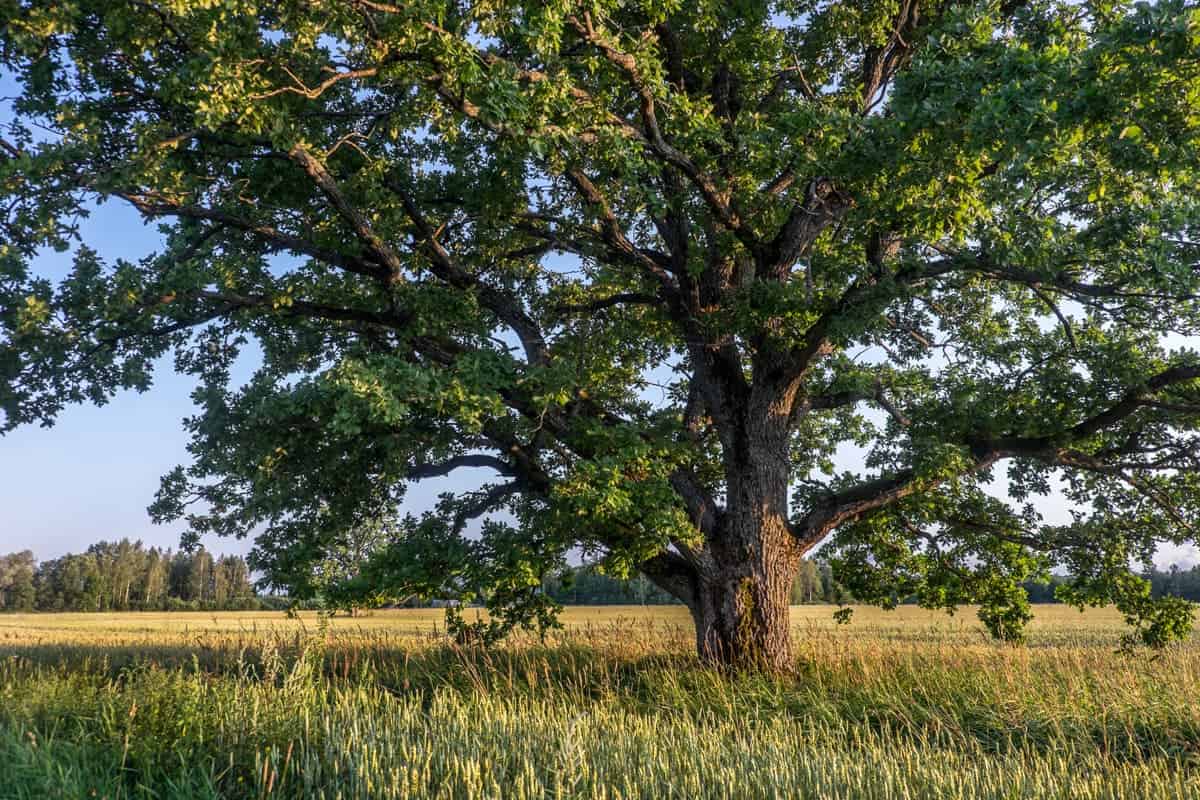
(92, 474)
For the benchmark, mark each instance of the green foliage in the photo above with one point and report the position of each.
(645, 263)
(18, 581)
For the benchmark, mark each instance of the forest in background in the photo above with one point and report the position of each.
(126, 575)
(814, 584)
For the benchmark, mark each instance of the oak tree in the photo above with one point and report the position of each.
(697, 285)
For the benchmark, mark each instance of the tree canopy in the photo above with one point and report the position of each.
(661, 270)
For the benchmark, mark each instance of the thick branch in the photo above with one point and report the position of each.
(702, 509)
(823, 204)
(304, 308)
(443, 468)
(1138, 397)
(1062, 282)
(652, 141)
(357, 222)
(612, 233)
(673, 574)
(880, 64)
(657, 145)
(228, 302)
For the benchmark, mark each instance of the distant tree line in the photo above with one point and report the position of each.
(1176, 582)
(18, 582)
(1171, 582)
(126, 576)
(815, 584)
(586, 585)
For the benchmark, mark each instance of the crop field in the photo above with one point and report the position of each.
(904, 704)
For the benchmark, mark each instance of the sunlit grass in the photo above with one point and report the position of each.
(896, 704)
(1053, 624)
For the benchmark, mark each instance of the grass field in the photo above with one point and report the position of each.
(903, 704)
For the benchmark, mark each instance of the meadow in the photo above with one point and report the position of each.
(903, 704)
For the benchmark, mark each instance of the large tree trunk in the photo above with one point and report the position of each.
(742, 617)
(741, 609)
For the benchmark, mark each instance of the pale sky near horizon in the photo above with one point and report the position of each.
(91, 476)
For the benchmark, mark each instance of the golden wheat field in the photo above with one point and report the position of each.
(901, 704)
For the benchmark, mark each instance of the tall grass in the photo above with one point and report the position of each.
(611, 708)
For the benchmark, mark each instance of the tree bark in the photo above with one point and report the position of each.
(741, 609)
(742, 617)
